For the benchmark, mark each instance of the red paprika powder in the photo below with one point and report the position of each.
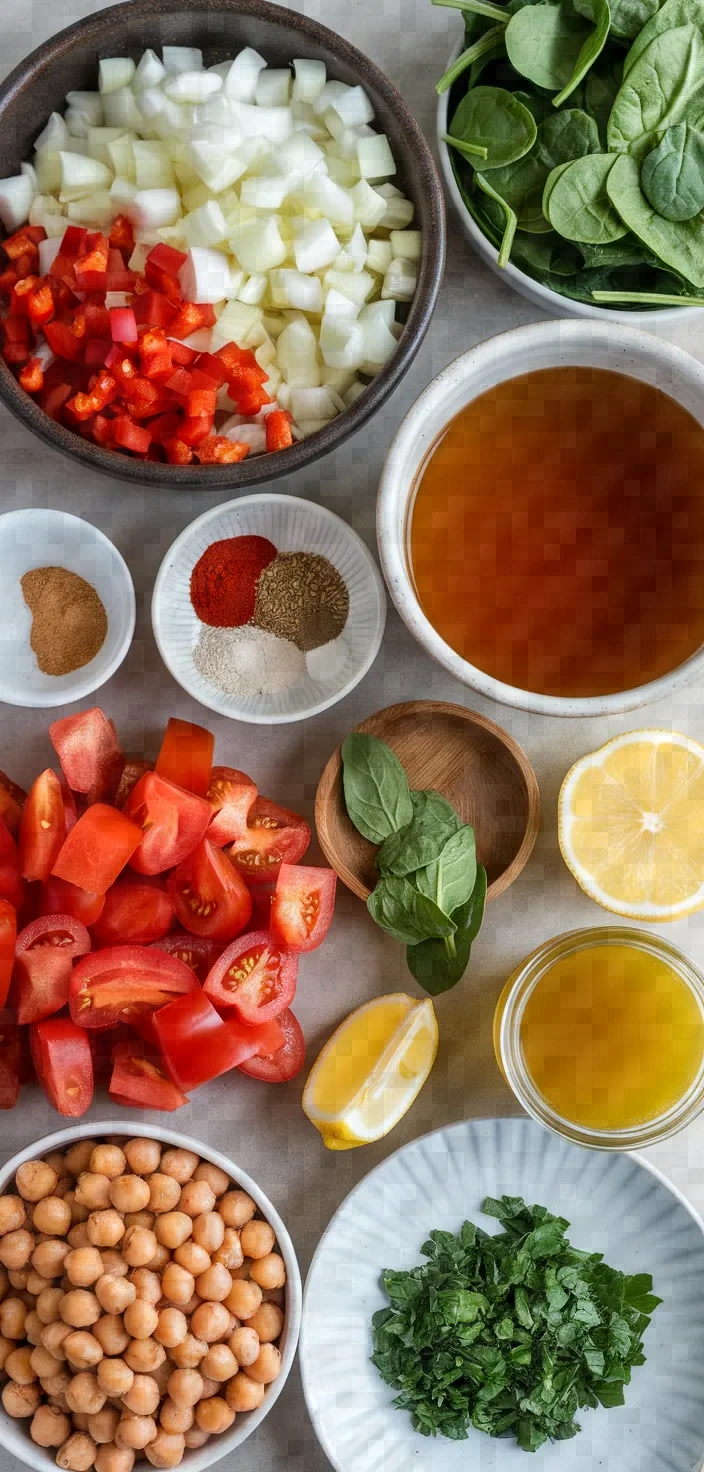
(224, 580)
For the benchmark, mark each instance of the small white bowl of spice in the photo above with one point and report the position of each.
(268, 609)
(68, 608)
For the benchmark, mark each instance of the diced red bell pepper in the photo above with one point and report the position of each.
(278, 430)
(97, 350)
(177, 453)
(123, 326)
(103, 431)
(104, 391)
(73, 243)
(55, 398)
(201, 401)
(82, 407)
(165, 426)
(139, 1077)
(93, 260)
(123, 370)
(179, 384)
(166, 258)
(41, 305)
(97, 848)
(9, 278)
(212, 367)
(193, 431)
(63, 341)
(90, 753)
(19, 300)
(143, 398)
(154, 310)
(131, 436)
(248, 401)
(121, 234)
(163, 283)
(22, 243)
(191, 317)
(217, 449)
(119, 277)
(241, 364)
(91, 280)
(97, 318)
(183, 357)
(32, 376)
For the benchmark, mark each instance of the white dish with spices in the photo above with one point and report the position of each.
(314, 630)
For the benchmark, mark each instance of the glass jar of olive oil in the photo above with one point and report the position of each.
(600, 1034)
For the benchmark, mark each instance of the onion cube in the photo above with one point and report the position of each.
(374, 157)
(315, 245)
(16, 195)
(310, 79)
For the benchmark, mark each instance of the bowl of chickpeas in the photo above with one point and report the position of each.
(150, 1302)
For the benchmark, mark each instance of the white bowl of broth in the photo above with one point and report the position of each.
(541, 518)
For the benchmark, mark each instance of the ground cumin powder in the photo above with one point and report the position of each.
(69, 622)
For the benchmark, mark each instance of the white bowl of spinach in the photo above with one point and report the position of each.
(576, 164)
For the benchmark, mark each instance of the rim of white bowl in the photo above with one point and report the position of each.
(550, 301)
(38, 700)
(220, 706)
(413, 441)
(42, 1459)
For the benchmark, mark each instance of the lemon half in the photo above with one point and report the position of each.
(631, 825)
(371, 1070)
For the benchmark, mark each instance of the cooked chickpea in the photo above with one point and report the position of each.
(214, 1415)
(82, 1349)
(219, 1363)
(147, 1284)
(50, 1426)
(108, 1160)
(84, 1395)
(209, 1231)
(135, 1432)
(78, 1157)
(4, 1281)
(143, 1396)
(266, 1366)
(44, 1363)
(189, 1352)
(164, 1192)
(161, 1373)
(210, 1321)
(17, 1278)
(138, 1246)
(51, 1215)
(53, 1336)
(257, 1239)
(49, 1257)
(143, 1156)
(79, 1308)
(175, 1418)
(114, 1294)
(244, 1299)
(105, 1228)
(16, 1248)
(84, 1266)
(244, 1343)
(192, 1257)
(6, 1348)
(79, 1212)
(113, 1458)
(57, 1160)
(243, 1393)
(236, 1208)
(210, 1387)
(144, 1356)
(33, 1327)
(189, 1308)
(35, 1179)
(161, 1258)
(177, 1283)
(114, 1264)
(140, 1319)
(268, 1322)
(78, 1235)
(112, 1334)
(178, 1163)
(114, 1376)
(18, 1365)
(20, 1400)
(243, 1270)
(185, 1387)
(47, 1305)
(196, 1437)
(166, 1450)
(230, 1252)
(172, 1327)
(35, 1282)
(103, 1425)
(196, 1198)
(140, 1219)
(214, 1284)
(77, 1454)
(12, 1214)
(13, 1316)
(216, 1178)
(172, 1228)
(129, 1193)
(268, 1271)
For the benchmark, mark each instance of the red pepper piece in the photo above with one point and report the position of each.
(201, 401)
(124, 371)
(82, 407)
(131, 436)
(191, 317)
(249, 401)
(183, 357)
(97, 318)
(167, 258)
(104, 431)
(21, 243)
(63, 341)
(241, 364)
(212, 367)
(143, 398)
(152, 309)
(193, 431)
(218, 450)
(32, 376)
(278, 430)
(74, 241)
(55, 398)
(121, 234)
(179, 384)
(104, 390)
(41, 305)
(10, 277)
(178, 452)
(120, 278)
(166, 426)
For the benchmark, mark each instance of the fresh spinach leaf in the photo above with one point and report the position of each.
(491, 43)
(663, 87)
(679, 244)
(600, 13)
(404, 913)
(469, 916)
(600, 94)
(629, 16)
(492, 120)
(577, 204)
(377, 794)
(433, 821)
(438, 965)
(672, 175)
(566, 135)
(450, 878)
(672, 14)
(625, 252)
(550, 183)
(510, 217)
(554, 46)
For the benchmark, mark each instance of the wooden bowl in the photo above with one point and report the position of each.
(476, 765)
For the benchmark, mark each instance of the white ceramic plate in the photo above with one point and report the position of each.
(43, 538)
(293, 526)
(617, 1204)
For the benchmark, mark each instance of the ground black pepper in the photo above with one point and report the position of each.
(301, 596)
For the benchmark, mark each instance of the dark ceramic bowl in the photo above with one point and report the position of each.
(221, 27)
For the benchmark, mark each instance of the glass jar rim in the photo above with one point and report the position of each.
(521, 985)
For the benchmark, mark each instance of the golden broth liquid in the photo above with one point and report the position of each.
(612, 1037)
(557, 536)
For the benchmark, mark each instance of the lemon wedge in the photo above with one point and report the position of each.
(631, 825)
(371, 1070)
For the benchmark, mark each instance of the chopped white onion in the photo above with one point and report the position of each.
(150, 72)
(342, 343)
(88, 105)
(379, 256)
(208, 276)
(315, 245)
(254, 289)
(115, 72)
(299, 154)
(241, 80)
(244, 433)
(374, 157)
(48, 251)
(354, 107)
(400, 280)
(258, 245)
(310, 79)
(54, 135)
(121, 110)
(81, 174)
(273, 87)
(406, 244)
(152, 208)
(195, 87)
(296, 290)
(205, 226)
(182, 58)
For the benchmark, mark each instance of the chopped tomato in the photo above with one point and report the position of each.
(61, 898)
(8, 936)
(136, 912)
(273, 836)
(186, 756)
(197, 951)
(208, 896)
(43, 827)
(139, 1077)
(231, 795)
(12, 885)
(286, 1062)
(123, 982)
(133, 769)
(89, 752)
(302, 908)
(64, 1066)
(254, 977)
(97, 848)
(171, 821)
(197, 1045)
(12, 801)
(44, 957)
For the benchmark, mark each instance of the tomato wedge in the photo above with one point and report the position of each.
(273, 836)
(136, 912)
(8, 937)
(302, 908)
(253, 977)
(231, 795)
(285, 1062)
(44, 957)
(124, 982)
(186, 756)
(139, 1077)
(61, 898)
(10, 1065)
(133, 769)
(42, 827)
(208, 896)
(197, 951)
(12, 886)
(62, 1060)
(89, 752)
(197, 1045)
(171, 821)
(12, 801)
(97, 848)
